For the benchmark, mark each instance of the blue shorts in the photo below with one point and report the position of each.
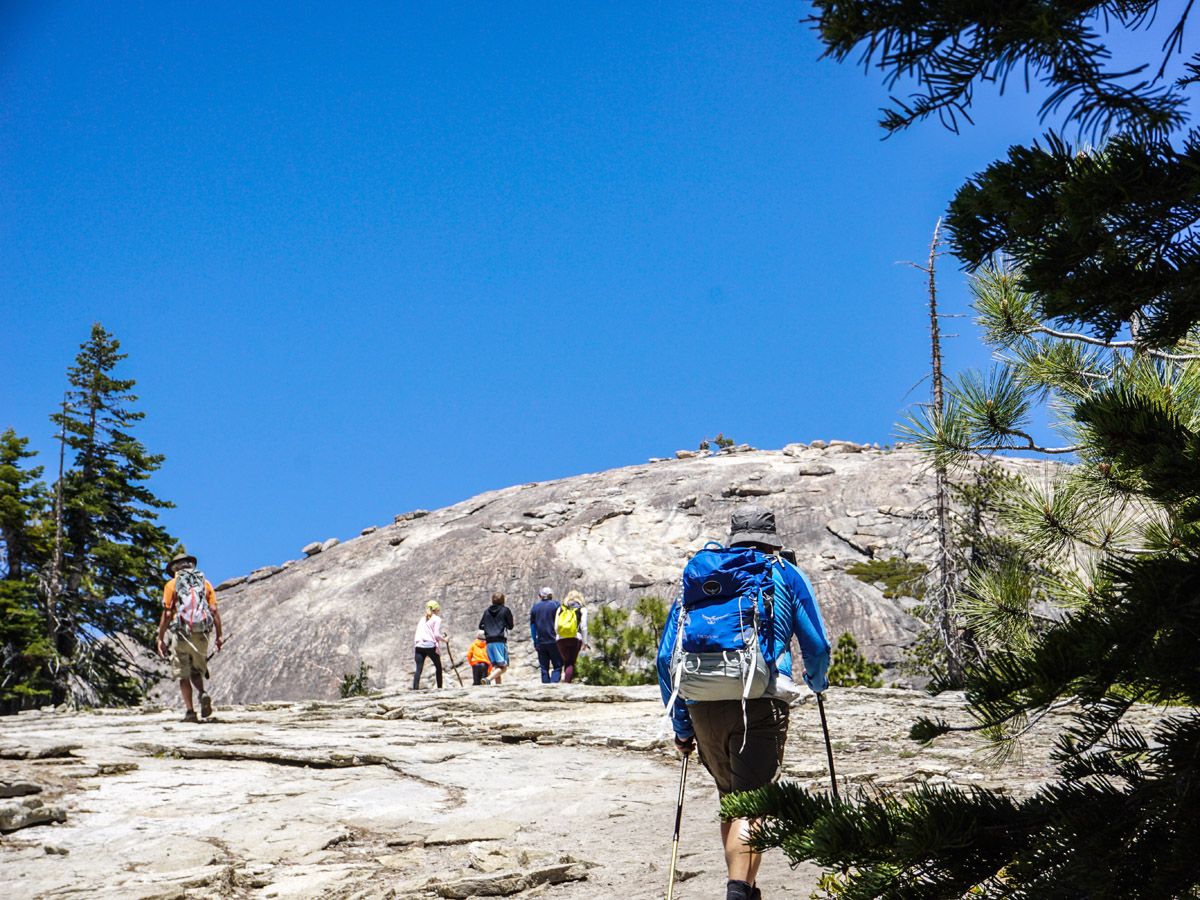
(498, 653)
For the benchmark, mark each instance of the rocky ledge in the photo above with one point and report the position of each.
(565, 792)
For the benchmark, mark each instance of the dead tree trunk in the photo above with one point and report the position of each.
(55, 620)
(945, 590)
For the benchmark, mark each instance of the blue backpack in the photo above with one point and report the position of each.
(725, 640)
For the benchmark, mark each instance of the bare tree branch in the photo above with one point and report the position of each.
(1113, 345)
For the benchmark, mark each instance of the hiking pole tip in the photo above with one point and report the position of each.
(828, 744)
(678, 821)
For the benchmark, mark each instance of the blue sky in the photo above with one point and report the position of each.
(371, 257)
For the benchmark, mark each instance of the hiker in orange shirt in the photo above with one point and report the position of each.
(190, 600)
(477, 658)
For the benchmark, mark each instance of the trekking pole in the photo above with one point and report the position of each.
(188, 641)
(675, 839)
(828, 746)
(450, 656)
(224, 640)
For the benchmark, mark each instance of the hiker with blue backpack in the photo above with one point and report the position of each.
(725, 669)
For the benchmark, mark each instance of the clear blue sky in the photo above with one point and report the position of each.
(371, 257)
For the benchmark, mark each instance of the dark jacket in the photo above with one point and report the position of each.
(541, 622)
(495, 621)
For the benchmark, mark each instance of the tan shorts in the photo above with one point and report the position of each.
(719, 733)
(190, 656)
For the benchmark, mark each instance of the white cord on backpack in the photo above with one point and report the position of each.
(677, 677)
(750, 670)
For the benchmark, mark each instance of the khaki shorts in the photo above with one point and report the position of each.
(190, 658)
(719, 734)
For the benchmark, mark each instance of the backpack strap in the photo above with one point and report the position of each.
(180, 620)
(192, 602)
(750, 669)
(768, 605)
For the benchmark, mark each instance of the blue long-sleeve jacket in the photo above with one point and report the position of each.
(541, 622)
(796, 615)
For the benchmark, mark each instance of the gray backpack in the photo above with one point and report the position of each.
(191, 602)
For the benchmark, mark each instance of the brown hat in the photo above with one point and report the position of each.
(753, 525)
(179, 559)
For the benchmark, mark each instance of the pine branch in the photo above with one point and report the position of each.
(1174, 42)
(926, 730)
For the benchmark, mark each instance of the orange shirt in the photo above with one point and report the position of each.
(477, 653)
(169, 594)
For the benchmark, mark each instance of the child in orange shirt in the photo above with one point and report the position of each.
(477, 657)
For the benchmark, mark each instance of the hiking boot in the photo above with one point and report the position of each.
(190, 716)
(205, 706)
(738, 890)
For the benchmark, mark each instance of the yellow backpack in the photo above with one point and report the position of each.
(566, 622)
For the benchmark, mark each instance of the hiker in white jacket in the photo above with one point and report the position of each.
(425, 642)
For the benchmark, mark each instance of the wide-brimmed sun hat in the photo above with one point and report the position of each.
(753, 525)
(180, 558)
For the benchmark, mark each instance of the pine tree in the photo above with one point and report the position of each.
(24, 650)
(622, 651)
(1003, 587)
(23, 504)
(101, 596)
(1102, 241)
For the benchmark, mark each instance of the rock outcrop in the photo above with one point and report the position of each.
(615, 536)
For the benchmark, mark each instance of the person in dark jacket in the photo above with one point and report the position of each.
(495, 623)
(545, 637)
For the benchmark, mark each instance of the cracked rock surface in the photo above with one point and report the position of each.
(564, 792)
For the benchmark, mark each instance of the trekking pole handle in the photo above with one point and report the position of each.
(679, 805)
(224, 640)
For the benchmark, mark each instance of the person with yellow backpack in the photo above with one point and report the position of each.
(570, 628)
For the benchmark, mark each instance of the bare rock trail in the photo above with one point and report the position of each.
(565, 791)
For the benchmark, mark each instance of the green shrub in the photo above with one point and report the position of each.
(591, 671)
(849, 668)
(623, 644)
(901, 578)
(355, 685)
(720, 442)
